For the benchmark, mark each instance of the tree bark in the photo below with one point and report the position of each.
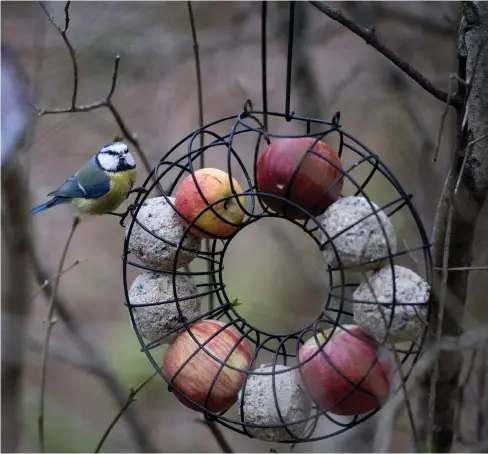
(458, 212)
(18, 123)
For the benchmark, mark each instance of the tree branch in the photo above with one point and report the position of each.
(369, 35)
(106, 102)
(72, 55)
(88, 366)
(47, 282)
(130, 398)
(107, 376)
(461, 202)
(219, 437)
(18, 122)
(50, 321)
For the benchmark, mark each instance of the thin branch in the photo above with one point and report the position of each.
(464, 268)
(108, 378)
(71, 49)
(372, 39)
(219, 437)
(114, 78)
(106, 102)
(444, 284)
(462, 386)
(397, 360)
(468, 85)
(50, 323)
(440, 316)
(443, 118)
(88, 366)
(130, 398)
(48, 281)
(465, 159)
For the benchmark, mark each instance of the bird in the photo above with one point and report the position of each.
(100, 186)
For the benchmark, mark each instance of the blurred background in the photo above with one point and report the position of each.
(156, 95)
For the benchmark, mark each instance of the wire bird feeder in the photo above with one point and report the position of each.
(275, 402)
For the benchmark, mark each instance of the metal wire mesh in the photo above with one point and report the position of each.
(182, 160)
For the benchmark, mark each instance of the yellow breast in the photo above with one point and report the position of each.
(120, 185)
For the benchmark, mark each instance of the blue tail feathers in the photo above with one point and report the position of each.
(49, 204)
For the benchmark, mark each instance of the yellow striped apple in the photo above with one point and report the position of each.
(196, 378)
(214, 185)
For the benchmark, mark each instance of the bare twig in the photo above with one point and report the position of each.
(130, 398)
(394, 352)
(440, 315)
(217, 433)
(50, 321)
(460, 215)
(88, 366)
(465, 159)
(108, 378)
(462, 386)
(468, 85)
(443, 118)
(464, 268)
(48, 281)
(372, 39)
(72, 54)
(106, 102)
(443, 293)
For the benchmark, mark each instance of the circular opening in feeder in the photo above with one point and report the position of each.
(277, 273)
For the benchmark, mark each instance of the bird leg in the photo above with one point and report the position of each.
(130, 208)
(124, 215)
(138, 190)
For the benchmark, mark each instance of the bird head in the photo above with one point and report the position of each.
(115, 157)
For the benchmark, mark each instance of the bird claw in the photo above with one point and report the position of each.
(123, 216)
(130, 208)
(138, 190)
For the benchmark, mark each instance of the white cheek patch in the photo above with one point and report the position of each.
(130, 160)
(117, 147)
(108, 162)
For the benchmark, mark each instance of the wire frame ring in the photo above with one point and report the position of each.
(251, 123)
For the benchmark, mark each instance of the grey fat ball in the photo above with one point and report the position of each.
(259, 405)
(408, 320)
(363, 242)
(154, 322)
(158, 216)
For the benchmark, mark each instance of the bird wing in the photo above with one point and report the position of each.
(90, 182)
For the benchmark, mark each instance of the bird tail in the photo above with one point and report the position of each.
(49, 204)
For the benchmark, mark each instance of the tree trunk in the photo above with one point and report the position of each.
(18, 123)
(458, 212)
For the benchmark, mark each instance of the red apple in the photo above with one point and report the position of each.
(214, 184)
(353, 357)
(196, 378)
(316, 185)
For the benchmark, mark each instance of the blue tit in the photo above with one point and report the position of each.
(100, 186)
